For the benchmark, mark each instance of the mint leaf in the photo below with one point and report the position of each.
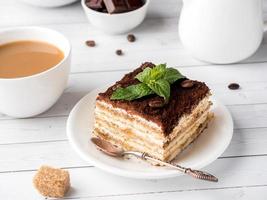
(151, 74)
(157, 72)
(172, 75)
(144, 76)
(161, 87)
(153, 80)
(131, 92)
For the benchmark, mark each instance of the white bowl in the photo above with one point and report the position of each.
(49, 3)
(32, 95)
(117, 23)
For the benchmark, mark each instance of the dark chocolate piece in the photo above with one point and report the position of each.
(182, 101)
(95, 4)
(116, 6)
(134, 4)
(120, 6)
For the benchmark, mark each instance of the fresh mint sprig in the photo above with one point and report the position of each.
(156, 80)
(131, 92)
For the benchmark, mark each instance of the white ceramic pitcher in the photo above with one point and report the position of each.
(221, 31)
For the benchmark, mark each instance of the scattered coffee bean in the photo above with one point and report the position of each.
(156, 103)
(131, 38)
(90, 43)
(119, 52)
(233, 86)
(187, 83)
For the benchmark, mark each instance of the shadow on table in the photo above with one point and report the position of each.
(260, 55)
(150, 25)
(64, 105)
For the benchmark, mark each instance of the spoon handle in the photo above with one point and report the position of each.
(191, 172)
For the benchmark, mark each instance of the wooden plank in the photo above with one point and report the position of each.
(250, 92)
(253, 89)
(24, 13)
(32, 130)
(33, 155)
(160, 43)
(237, 193)
(16, 13)
(53, 128)
(249, 116)
(246, 142)
(30, 153)
(87, 183)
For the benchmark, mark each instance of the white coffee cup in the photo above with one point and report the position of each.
(31, 95)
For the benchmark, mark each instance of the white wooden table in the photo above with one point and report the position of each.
(25, 144)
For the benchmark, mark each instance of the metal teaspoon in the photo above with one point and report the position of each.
(114, 151)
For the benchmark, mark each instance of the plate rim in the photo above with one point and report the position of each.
(127, 173)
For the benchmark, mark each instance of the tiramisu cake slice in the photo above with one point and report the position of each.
(153, 109)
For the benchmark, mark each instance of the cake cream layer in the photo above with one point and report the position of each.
(111, 122)
(179, 139)
(115, 135)
(147, 129)
(169, 156)
(132, 132)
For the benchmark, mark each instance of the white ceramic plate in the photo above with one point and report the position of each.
(207, 148)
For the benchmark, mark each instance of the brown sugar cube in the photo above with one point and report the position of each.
(52, 182)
